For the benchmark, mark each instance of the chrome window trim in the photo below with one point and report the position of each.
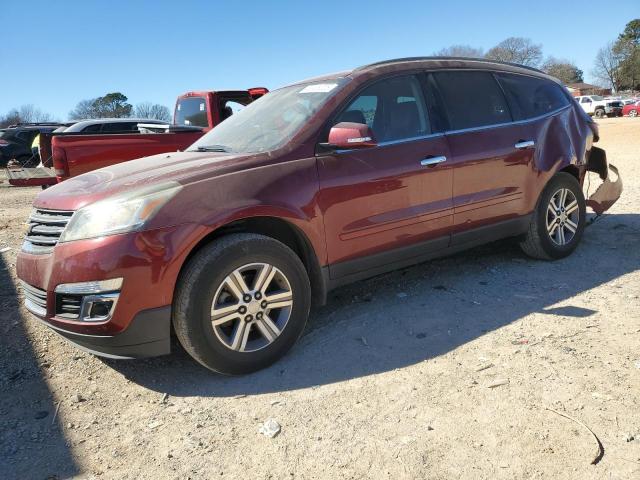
(506, 124)
(463, 130)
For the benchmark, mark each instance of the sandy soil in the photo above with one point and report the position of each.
(392, 379)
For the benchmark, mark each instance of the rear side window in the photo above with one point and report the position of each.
(531, 97)
(92, 128)
(394, 108)
(192, 111)
(472, 99)
(120, 127)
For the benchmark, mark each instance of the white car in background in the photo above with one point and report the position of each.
(599, 107)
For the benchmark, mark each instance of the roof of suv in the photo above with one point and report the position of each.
(81, 125)
(408, 63)
(452, 62)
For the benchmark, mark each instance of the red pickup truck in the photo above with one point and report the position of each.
(68, 154)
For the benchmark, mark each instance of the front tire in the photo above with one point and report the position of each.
(241, 303)
(559, 219)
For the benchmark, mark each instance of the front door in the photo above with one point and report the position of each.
(386, 204)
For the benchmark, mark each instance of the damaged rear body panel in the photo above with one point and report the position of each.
(610, 190)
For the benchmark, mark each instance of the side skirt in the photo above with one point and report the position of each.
(351, 271)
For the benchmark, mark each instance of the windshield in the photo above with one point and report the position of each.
(597, 98)
(192, 111)
(270, 121)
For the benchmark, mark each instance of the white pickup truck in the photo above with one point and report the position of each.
(599, 107)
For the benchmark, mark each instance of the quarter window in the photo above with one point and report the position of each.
(393, 108)
(531, 97)
(472, 99)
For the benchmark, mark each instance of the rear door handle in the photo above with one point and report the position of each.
(431, 161)
(525, 144)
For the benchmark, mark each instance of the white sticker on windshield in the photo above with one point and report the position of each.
(319, 88)
(202, 107)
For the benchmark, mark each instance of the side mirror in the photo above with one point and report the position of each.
(348, 135)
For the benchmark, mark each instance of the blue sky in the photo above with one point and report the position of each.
(55, 53)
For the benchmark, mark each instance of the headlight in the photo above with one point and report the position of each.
(121, 213)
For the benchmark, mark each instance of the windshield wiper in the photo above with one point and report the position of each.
(213, 148)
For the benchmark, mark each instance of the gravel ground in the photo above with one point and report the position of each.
(443, 370)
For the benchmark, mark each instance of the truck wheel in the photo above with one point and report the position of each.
(558, 222)
(599, 113)
(241, 303)
(633, 113)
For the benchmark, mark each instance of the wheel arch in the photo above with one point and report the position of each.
(279, 229)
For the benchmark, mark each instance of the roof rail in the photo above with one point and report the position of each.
(35, 124)
(418, 59)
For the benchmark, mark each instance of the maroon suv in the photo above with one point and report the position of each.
(315, 185)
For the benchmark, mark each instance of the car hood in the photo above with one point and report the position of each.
(181, 167)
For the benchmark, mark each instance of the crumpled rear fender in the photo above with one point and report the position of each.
(610, 190)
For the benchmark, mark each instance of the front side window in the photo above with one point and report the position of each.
(531, 97)
(393, 108)
(472, 99)
(271, 121)
(192, 111)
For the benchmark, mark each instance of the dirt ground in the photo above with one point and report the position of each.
(395, 378)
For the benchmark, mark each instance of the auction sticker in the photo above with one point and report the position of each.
(319, 88)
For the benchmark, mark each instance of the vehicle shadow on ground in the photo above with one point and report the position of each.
(32, 445)
(406, 317)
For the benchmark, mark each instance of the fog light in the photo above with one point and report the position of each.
(88, 301)
(98, 308)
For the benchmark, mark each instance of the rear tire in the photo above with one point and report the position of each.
(219, 289)
(600, 113)
(558, 222)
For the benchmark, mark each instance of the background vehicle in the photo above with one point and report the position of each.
(93, 144)
(631, 109)
(108, 125)
(600, 107)
(16, 141)
(316, 185)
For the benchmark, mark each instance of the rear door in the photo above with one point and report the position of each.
(488, 154)
(386, 204)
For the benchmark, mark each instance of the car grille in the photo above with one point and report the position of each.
(35, 299)
(44, 230)
(68, 306)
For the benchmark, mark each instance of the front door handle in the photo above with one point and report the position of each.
(432, 161)
(524, 144)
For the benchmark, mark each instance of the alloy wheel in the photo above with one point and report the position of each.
(251, 307)
(563, 216)
(633, 113)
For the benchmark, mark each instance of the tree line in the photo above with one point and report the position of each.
(522, 51)
(111, 105)
(617, 64)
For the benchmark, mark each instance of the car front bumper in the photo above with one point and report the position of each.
(148, 335)
(140, 324)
